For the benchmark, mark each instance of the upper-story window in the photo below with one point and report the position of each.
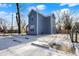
(32, 17)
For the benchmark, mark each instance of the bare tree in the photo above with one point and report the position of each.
(67, 22)
(23, 23)
(20, 18)
(65, 19)
(3, 26)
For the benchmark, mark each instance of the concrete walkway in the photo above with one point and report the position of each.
(8, 47)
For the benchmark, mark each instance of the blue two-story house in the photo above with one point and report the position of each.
(40, 24)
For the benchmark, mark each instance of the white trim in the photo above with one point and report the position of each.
(51, 22)
(37, 22)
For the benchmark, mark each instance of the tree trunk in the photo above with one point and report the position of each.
(18, 18)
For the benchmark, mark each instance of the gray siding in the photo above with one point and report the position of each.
(33, 21)
(40, 24)
(43, 24)
(46, 25)
(53, 25)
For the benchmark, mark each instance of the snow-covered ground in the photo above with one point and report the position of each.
(22, 46)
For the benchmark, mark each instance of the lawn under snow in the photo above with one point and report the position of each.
(22, 46)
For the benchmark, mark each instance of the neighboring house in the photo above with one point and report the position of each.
(40, 24)
(2, 29)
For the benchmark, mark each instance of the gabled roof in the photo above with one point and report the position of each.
(32, 10)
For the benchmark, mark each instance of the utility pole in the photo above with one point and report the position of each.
(18, 18)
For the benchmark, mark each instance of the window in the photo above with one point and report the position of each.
(32, 30)
(32, 17)
(32, 27)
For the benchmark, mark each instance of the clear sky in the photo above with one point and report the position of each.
(6, 9)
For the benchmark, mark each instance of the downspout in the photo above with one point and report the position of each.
(37, 21)
(51, 23)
